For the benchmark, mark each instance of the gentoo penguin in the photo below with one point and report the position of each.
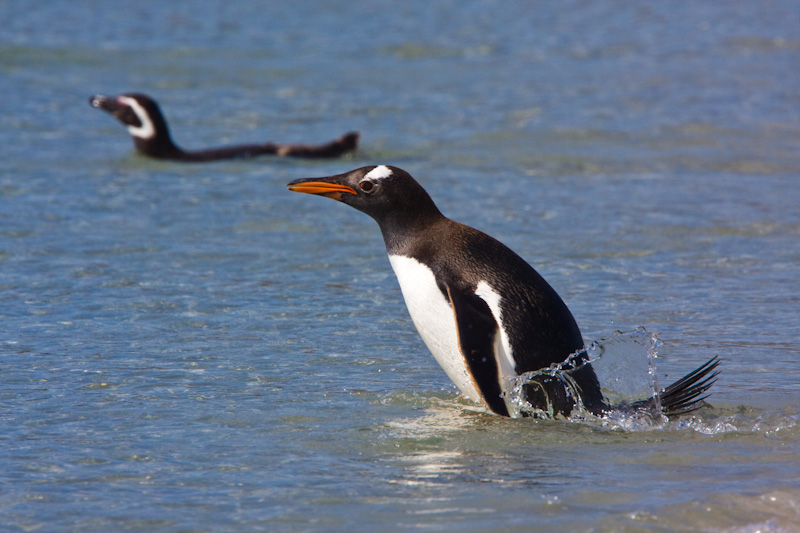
(150, 133)
(484, 313)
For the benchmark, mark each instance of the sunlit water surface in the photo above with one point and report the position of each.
(194, 348)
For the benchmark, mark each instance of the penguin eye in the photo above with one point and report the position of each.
(366, 186)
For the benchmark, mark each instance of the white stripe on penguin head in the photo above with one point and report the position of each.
(147, 130)
(379, 173)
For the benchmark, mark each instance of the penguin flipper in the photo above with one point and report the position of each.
(477, 334)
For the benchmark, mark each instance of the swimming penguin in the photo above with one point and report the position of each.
(150, 133)
(484, 313)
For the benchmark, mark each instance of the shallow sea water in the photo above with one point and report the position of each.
(194, 348)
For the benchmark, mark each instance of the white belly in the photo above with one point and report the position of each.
(432, 315)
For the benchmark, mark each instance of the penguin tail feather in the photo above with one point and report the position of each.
(688, 393)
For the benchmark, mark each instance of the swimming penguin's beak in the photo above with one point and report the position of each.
(105, 103)
(322, 187)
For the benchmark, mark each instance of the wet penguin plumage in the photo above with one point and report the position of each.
(484, 313)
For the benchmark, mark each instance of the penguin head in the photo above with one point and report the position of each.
(383, 192)
(143, 118)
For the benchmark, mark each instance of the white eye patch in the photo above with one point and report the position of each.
(147, 130)
(379, 173)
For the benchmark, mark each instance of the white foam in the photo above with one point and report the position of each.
(379, 173)
(147, 130)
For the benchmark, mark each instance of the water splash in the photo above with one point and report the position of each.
(625, 365)
(782, 424)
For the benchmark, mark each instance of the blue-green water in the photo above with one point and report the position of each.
(194, 348)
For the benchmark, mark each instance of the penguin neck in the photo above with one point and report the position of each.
(152, 137)
(159, 145)
(402, 230)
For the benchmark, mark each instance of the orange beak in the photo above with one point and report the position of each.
(331, 190)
